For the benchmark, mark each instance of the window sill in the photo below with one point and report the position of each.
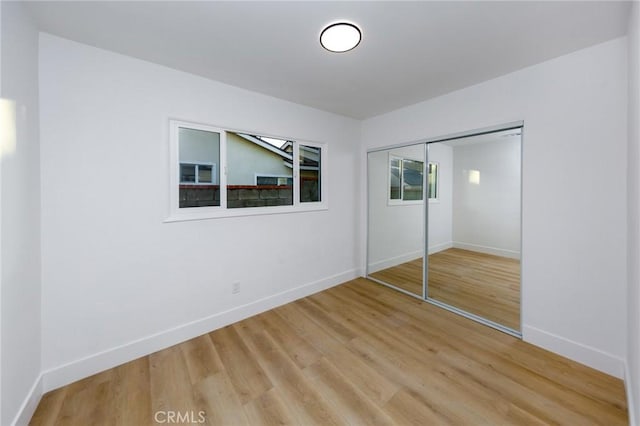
(218, 213)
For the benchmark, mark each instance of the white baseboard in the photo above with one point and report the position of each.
(29, 404)
(394, 261)
(628, 386)
(488, 250)
(587, 355)
(81, 368)
(440, 247)
(397, 260)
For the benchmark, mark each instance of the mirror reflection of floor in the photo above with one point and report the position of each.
(407, 276)
(483, 284)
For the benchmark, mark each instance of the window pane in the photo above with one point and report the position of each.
(259, 171)
(199, 155)
(187, 173)
(266, 180)
(412, 175)
(283, 181)
(204, 174)
(394, 179)
(310, 157)
(274, 180)
(432, 189)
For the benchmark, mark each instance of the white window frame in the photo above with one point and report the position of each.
(177, 214)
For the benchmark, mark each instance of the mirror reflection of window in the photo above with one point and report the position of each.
(395, 193)
(412, 178)
(405, 179)
(432, 182)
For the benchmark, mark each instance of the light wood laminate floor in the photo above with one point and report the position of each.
(483, 284)
(356, 354)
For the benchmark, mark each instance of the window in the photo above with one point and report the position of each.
(274, 180)
(406, 177)
(310, 162)
(198, 154)
(218, 172)
(250, 156)
(200, 174)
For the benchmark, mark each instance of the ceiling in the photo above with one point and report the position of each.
(410, 51)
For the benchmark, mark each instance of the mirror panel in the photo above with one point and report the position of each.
(474, 226)
(396, 217)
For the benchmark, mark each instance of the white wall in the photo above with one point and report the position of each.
(633, 219)
(118, 282)
(20, 290)
(486, 215)
(440, 210)
(574, 223)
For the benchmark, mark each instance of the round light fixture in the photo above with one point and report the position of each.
(340, 37)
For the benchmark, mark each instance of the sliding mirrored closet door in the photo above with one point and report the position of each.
(467, 190)
(474, 226)
(396, 218)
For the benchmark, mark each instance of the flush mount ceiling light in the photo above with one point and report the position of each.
(340, 37)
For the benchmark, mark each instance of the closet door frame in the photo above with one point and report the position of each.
(425, 250)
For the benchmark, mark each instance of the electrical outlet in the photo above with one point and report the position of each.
(235, 288)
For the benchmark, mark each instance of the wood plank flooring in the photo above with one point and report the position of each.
(356, 354)
(479, 283)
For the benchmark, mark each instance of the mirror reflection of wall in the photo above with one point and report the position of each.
(478, 269)
(396, 217)
(440, 207)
